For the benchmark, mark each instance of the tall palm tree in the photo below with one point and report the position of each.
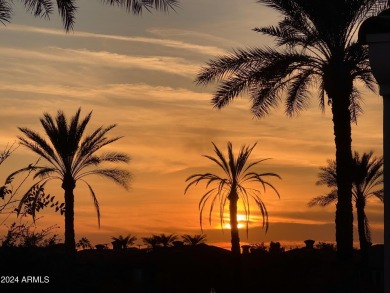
(367, 181)
(231, 186)
(194, 240)
(315, 48)
(67, 8)
(71, 156)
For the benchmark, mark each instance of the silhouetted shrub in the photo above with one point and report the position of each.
(258, 248)
(24, 235)
(274, 247)
(325, 246)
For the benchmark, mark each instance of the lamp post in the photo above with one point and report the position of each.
(375, 32)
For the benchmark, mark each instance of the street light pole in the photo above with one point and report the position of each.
(375, 32)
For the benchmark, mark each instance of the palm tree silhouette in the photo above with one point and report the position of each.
(194, 240)
(231, 187)
(125, 242)
(84, 243)
(71, 157)
(152, 241)
(67, 8)
(367, 181)
(315, 47)
(166, 240)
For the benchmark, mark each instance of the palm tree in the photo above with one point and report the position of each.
(315, 47)
(125, 241)
(166, 240)
(152, 241)
(367, 181)
(67, 8)
(194, 240)
(231, 187)
(84, 243)
(71, 157)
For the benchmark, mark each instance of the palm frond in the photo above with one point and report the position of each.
(91, 144)
(40, 8)
(263, 211)
(297, 97)
(324, 200)
(327, 175)
(194, 240)
(76, 129)
(67, 10)
(44, 172)
(197, 178)
(95, 201)
(39, 146)
(225, 165)
(96, 160)
(380, 195)
(355, 108)
(117, 175)
(136, 6)
(5, 11)
(202, 204)
(258, 177)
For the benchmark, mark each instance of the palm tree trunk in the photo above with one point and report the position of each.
(235, 239)
(363, 241)
(68, 185)
(339, 94)
(236, 284)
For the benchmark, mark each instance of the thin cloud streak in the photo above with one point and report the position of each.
(158, 93)
(206, 50)
(172, 65)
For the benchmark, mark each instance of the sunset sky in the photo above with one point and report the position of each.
(138, 72)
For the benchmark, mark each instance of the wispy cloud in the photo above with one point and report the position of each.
(201, 49)
(171, 65)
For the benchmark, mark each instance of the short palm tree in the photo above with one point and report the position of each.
(84, 243)
(71, 156)
(367, 181)
(194, 240)
(67, 8)
(166, 240)
(125, 242)
(316, 48)
(152, 241)
(231, 186)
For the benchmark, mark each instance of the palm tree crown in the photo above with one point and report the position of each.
(316, 48)
(161, 240)
(67, 8)
(232, 186)
(71, 157)
(124, 242)
(308, 46)
(194, 240)
(166, 240)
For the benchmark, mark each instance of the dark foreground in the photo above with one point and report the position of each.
(186, 270)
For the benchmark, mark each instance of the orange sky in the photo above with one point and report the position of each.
(138, 72)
